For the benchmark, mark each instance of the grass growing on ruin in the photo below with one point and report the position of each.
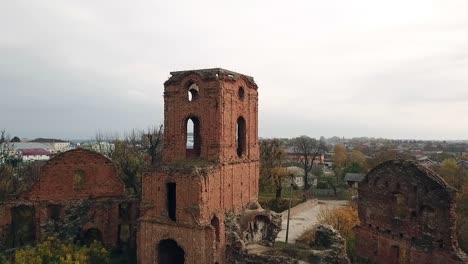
(298, 251)
(268, 201)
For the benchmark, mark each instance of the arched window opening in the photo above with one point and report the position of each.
(428, 217)
(215, 224)
(91, 235)
(193, 91)
(170, 253)
(23, 225)
(241, 136)
(193, 144)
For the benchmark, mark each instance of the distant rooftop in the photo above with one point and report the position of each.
(48, 140)
(28, 145)
(354, 177)
(34, 152)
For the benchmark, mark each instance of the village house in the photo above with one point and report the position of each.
(30, 155)
(54, 145)
(353, 179)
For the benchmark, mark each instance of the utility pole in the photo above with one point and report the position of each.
(289, 211)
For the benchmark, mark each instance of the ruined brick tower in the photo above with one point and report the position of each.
(211, 167)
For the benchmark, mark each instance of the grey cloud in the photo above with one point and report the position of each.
(68, 69)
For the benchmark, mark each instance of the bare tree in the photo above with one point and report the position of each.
(152, 143)
(307, 149)
(105, 142)
(136, 153)
(2, 136)
(5, 146)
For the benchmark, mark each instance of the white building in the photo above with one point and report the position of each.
(36, 154)
(53, 145)
(58, 147)
(296, 175)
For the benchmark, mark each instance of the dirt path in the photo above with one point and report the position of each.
(304, 216)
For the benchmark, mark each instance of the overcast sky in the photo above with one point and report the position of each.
(396, 69)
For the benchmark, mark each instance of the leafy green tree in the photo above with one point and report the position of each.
(272, 155)
(353, 167)
(132, 164)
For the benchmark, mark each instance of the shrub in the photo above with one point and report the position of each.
(322, 185)
(3, 260)
(54, 251)
(307, 237)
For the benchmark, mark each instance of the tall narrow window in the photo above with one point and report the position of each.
(241, 136)
(79, 180)
(23, 225)
(215, 224)
(395, 255)
(193, 145)
(400, 205)
(428, 217)
(171, 200)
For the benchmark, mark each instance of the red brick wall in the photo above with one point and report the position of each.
(57, 177)
(197, 243)
(223, 188)
(387, 225)
(56, 186)
(377, 248)
(218, 108)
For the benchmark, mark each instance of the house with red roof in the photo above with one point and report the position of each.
(34, 154)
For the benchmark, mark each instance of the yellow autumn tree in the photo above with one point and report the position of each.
(343, 220)
(357, 157)
(340, 155)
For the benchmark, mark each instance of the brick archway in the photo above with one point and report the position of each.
(169, 252)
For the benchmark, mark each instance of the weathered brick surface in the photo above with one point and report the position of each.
(407, 215)
(214, 183)
(57, 178)
(218, 107)
(57, 185)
